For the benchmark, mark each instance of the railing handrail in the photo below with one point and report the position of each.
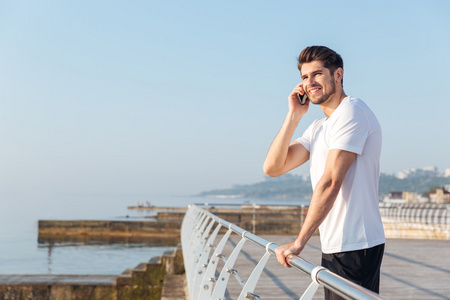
(430, 214)
(320, 275)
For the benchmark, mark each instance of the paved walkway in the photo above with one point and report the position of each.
(411, 269)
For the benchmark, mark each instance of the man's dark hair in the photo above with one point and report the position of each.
(330, 59)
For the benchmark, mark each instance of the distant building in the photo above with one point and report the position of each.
(415, 172)
(447, 172)
(404, 197)
(440, 196)
(394, 197)
(410, 197)
(431, 169)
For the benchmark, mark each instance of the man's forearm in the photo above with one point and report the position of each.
(322, 201)
(278, 151)
(325, 192)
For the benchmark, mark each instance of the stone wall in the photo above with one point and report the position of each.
(145, 281)
(49, 228)
(261, 220)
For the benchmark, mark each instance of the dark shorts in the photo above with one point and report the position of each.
(360, 266)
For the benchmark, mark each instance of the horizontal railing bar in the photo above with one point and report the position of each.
(329, 280)
(345, 287)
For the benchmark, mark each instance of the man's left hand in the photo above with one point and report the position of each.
(283, 252)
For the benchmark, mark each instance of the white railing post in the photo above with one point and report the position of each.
(195, 241)
(249, 287)
(312, 288)
(447, 221)
(194, 238)
(186, 232)
(200, 271)
(206, 286)
(222, 281)
(199, 251)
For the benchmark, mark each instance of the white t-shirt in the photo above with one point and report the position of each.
(354, 222)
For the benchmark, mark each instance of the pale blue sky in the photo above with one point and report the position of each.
(177, 97)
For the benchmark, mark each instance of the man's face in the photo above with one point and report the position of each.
(318, 83)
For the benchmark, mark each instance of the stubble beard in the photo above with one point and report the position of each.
(327, 95)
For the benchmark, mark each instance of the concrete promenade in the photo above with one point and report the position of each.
(411, 269)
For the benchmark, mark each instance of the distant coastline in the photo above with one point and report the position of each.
(291, 186)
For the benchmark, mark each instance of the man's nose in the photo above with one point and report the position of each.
(309, 82)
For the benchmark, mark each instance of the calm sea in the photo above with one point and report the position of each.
(22, 253)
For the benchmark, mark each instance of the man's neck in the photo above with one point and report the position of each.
(329, 106)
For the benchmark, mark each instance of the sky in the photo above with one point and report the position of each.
(179, 97)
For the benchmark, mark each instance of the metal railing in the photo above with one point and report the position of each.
(425, 213)
(197, 238)
(428, 216)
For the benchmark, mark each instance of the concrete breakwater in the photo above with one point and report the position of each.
(153, 280)
(54, 228)
(167, 224)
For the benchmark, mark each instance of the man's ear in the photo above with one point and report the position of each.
(339, 74)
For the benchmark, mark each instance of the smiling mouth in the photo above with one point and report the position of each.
(314, 91)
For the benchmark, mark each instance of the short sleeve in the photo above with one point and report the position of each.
(305, 142)
(350, 130)
(307, 137)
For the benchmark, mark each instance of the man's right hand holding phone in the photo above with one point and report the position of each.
(298, 100)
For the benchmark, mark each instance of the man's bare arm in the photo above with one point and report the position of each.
(323, 198)
(283, 155)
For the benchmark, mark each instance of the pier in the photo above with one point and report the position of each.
(412, 269)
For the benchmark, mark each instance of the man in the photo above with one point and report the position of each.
(344, 152)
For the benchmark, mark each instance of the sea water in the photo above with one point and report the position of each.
(22, 253)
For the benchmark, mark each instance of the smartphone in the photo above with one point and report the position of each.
(302, 99)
